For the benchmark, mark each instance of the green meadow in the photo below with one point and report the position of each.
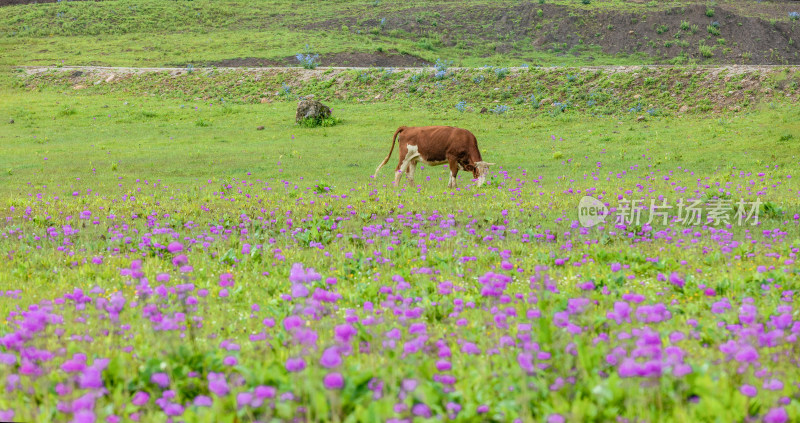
(102, 138)
(169, 248)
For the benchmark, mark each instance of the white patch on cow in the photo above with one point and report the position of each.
(412, 154)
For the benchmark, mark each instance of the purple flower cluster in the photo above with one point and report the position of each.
(424, 313)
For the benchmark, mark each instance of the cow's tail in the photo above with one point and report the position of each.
(386, 160)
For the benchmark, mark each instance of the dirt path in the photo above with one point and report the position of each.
(730, 69)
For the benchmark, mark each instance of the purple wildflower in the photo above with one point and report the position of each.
(265, 392)
(333, 381)
(330, 358)
(140, 398)
(776, 415)
(421, 410)
(160, 379)
(295, 364)
(175, 247)
(84, 416)
(748, 390)
(203, 401)
(217, 384)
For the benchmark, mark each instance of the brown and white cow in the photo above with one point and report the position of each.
(436, 145)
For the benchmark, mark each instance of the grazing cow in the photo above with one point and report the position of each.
(436, 145)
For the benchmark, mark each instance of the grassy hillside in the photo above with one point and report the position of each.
(521, 92)
(475, 33)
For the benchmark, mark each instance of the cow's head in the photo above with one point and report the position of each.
(481, 170)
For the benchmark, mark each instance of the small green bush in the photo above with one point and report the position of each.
(706, 50)
(316, 122)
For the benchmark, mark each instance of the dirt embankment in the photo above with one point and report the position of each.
(721, 35)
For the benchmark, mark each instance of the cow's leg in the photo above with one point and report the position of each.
(402, 153)
(410, 160)
(411, 168)
(403, 169)
(453, 172)
(397, 176)
(411, 156)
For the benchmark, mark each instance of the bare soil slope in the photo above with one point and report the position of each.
(736, 37)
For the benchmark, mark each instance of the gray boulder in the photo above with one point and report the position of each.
(312, 109)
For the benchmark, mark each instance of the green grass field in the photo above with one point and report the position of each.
(103, 137)
(124, 197)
